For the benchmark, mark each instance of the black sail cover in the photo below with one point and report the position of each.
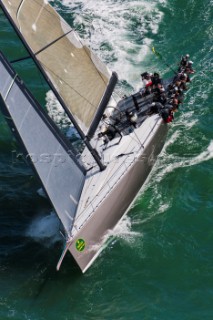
(77, 74)
(61, 174)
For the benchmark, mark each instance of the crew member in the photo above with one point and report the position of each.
(156, 79)
(108, 130)
(132, 118)
(184, 60)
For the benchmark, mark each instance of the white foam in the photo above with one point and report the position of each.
(113, 23)
(57, 113)
(45, 230)
(167, 163)
(41, 193)
(162, 208)
(54, 108)
(173, 162)
(122, 230)
(110, 24)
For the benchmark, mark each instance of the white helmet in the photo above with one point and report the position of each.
(187, 55)
(190, 62)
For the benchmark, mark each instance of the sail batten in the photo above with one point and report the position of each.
(50, 44)
(77, 74)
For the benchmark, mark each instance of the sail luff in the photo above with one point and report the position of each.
(50, 154)
(54, 89)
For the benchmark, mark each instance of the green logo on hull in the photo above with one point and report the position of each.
(80, 245)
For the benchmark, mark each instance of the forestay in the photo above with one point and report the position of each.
(52, 157)
(76, 72)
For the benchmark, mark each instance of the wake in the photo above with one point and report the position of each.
(179, 162)
(119, 31)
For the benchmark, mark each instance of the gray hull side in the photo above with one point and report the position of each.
(116, 204)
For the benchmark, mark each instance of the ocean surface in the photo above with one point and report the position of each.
(159, 265)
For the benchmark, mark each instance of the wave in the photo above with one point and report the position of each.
(124, 230)
(45, 230)
(119, 31)
(166, 164)
(173, 162)
(58, 115)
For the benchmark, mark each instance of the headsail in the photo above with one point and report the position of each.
(80, 78)
(52, 156)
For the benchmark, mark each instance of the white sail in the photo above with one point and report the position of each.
(76, 72)
(52, 157)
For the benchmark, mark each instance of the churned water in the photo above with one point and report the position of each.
(159, 264)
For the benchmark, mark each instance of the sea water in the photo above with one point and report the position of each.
(159, 263)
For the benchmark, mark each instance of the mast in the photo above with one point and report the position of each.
(102, 106)
(84, 138)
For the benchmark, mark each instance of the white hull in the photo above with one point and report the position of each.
(92, 227)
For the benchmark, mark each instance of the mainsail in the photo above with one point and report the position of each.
(52, 157)
(77, 74)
